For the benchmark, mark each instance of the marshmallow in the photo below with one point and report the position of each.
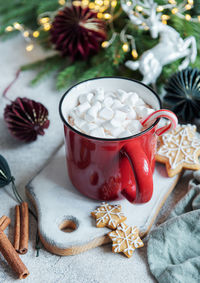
(116, 104)
(99, 94)
(121, 94)
(132, 115)
(114, 122)
(140, 101)
(110, 93)
(143, 111)
(82, 108)
(97, 105)
(99, 121)
(91, 114)
(125, 134)
(115, 132)
(132, 99)
(120, 115)
(125, 123)
(135, 126)
(98, 132)
(106, 113)
(125, 109)
(114, 114)
(108, 101)
(88, 127)
(79, 122)
(87, 97)
(72, 114)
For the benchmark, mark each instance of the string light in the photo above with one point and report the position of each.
(188, 7)
(165, 17)
(114, 4)
(17, 26)
(128, 3)
(107, 16)
(44, 20)
(85, 2)
(191, 2)
(91, 5)
(9, 28)
(47, 26)
(134, 54)
(106, 2)
(187, 17)
(159, 9)
(105, 44)
(125, 47)
(139, 8)
(26, 33)
(77, 3)
(99, 2)
(99, 15)
(36, 33)
(29, 47)
(172, 2)
(174, 11)
(61, 2)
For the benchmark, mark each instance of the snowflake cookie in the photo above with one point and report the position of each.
(125, 239)
(108, 215)
(179, 149)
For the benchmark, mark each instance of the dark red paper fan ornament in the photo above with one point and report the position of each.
(26, 119)
(77, 32)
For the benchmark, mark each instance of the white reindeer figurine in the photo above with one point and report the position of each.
(170, 47)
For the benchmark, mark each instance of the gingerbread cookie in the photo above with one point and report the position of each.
(108, 215)
(179, 149)
(125, 239)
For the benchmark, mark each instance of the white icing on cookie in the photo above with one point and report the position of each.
(108, 212)
(129, 236)
(181, 143)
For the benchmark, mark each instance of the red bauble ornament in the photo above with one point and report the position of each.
(26, 119)
(77, 32)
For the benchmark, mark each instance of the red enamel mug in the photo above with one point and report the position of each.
(111, 169)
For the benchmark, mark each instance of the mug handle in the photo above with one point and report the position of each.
(143, 177)
(143, 189)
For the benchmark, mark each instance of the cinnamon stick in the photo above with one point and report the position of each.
(11, 256)
(4, 222)
(21, 228)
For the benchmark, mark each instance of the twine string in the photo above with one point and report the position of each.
(4, 94)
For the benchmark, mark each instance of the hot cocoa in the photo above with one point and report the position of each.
(115, 114)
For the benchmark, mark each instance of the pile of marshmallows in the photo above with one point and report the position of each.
(109, 115)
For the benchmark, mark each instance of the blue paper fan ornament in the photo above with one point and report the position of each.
(183, 94)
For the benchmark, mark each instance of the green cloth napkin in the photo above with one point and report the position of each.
(174, 247)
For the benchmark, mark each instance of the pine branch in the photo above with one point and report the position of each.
(45, 67)
(47, 5)
(70, 74)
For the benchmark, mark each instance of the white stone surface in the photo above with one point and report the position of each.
(99, 265)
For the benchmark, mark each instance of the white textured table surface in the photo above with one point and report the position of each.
(97, 265)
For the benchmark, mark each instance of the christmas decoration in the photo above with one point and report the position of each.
(26, 119)
(131, 26)
(179, 149)
(170, 47)
(125, 239)
(108, 215)
(77, 32)
(183, 94)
